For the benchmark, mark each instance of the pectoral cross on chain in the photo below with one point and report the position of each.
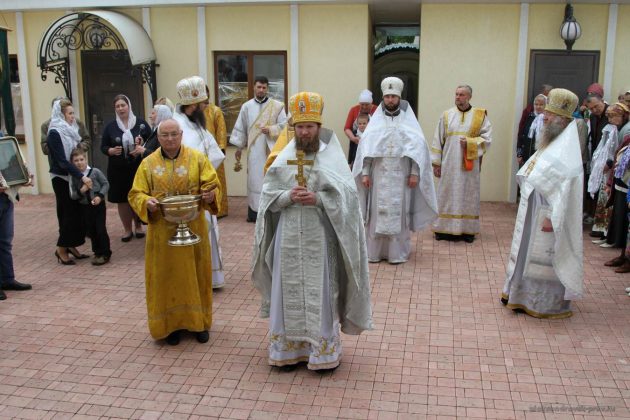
(300, 162)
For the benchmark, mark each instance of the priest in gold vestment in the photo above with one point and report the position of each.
(215, 124)
(178, 280)
(462, 137)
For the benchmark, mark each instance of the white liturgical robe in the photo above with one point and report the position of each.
(200, 139)
(310, 262)
(458, 188)
(545, 270)
(253, 116)
(391, 149)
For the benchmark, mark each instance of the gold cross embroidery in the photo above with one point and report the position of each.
(300, 162)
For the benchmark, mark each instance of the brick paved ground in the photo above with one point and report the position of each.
(77, 345)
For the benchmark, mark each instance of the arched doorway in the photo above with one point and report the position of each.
(402, 62)
(116, 56)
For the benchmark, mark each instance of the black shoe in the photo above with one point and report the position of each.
(16, 285)
(288, 368)
(173, 338)
(62, 261)
(468, 238)
(76, 254)
(202, 336)
(439, 236)
(504, 301)
(596, 234)
(3, 295)
(323, 371)
(127, 238)
(140, 235)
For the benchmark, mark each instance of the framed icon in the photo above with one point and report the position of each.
(12, 165)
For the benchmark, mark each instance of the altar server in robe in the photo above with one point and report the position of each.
(178, 279)
(189, 113)
(393, 174)
(257, 127)
(462, 136)
(310, 258)
(545, 269)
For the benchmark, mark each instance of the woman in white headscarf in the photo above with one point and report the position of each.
(119, 142)
(63, 137)
(158, 114)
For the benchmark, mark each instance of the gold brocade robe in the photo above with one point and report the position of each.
(178, 280)
(215, 124)
(286, 135)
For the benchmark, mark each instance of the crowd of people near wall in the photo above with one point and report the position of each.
(360, 208)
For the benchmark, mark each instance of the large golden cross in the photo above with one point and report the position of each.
(300, 162)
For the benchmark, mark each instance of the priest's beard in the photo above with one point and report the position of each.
(550, 131)
(197, 117)
(307, 144)
(392, 107)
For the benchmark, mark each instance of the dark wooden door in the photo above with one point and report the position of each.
(105, 75)
(574, 70)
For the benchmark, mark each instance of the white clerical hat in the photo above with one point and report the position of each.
(191, 90)
(392, 86)
(365, 97)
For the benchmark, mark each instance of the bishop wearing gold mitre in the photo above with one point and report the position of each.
(310, 257)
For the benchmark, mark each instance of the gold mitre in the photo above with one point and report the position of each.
(191, 90)
(562, 102)
(306, 107)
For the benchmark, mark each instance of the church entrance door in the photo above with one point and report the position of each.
(573, 70)
(106, 74)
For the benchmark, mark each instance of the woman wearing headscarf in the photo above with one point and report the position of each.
(158, 114)
(530, 134)
(119, 142)
(601, 165)
(63, 137)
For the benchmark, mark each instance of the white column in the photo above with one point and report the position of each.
(148, 101)
(201, 43)
(294, 63)
(519, 90)
(31, 141)
(609, 64)
(73, 78)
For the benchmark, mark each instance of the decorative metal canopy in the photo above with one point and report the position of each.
(96, 30)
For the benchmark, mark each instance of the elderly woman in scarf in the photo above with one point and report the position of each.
(529, 135)
(618, 189)
(601, 164)
(63, 137)
(158, 114)
(120, 142)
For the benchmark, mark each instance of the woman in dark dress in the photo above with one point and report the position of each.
(119, 141)
(63, 137)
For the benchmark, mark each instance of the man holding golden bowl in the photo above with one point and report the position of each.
(178, 279)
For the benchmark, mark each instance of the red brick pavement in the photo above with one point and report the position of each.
(77, 345)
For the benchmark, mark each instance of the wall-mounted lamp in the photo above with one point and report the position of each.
(570, 29)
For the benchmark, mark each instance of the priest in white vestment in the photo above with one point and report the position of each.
(190, 116)
(463, 135)
(392, 170)
(310, 259)
(257, 127)
(545, 269)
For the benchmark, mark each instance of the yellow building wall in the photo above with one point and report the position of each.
(476, 56)
(621, 69)
(175, 46)
(544, 30)
(245, 28)
(335, 62)
(41, 92)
